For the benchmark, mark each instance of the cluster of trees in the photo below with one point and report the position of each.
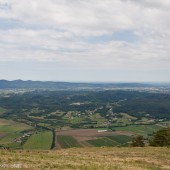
(160, 138)
(132, 102)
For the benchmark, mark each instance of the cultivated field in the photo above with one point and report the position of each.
(119, 140)
(92, 137)
(67, 142)
(39, 140)
(147, 158)
(2, 110)
(139, 129)
(9, 130)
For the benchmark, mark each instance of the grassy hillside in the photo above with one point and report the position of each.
(89, 158)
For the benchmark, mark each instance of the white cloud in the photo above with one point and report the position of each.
(159, 4)
(76, 16)
(55, 30)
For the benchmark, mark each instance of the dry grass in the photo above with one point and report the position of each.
(89, 159)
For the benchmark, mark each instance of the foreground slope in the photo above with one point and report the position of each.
(88, 158)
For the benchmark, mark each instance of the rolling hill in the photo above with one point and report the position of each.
(20, 84)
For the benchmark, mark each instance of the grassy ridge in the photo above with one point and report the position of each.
(147, 158)
(40, 140)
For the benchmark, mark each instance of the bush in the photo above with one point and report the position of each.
(138, 141)
(161, 138)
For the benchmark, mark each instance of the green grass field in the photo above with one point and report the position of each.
(104, 141)
(111, 141)
(147, 158)
(2, 110)
(67, 142)
(9, 130)
(39, 140)
(139, 129)
(121, 139)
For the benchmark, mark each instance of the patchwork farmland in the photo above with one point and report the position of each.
(91, 138)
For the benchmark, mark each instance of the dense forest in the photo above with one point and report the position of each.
(69, 104)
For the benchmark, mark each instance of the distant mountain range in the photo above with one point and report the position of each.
(20, 84)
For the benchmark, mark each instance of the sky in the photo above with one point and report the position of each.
(85, 40)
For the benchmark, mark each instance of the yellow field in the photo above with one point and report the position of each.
(88, 159)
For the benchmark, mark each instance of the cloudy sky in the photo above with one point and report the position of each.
(85, 40)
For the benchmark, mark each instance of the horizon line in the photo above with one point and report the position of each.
(76, 81)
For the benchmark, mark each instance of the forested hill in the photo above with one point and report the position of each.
(20, 84)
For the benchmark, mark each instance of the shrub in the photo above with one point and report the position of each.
(161, 138)
(138, 141)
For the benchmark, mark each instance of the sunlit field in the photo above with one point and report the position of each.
(147, 158)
